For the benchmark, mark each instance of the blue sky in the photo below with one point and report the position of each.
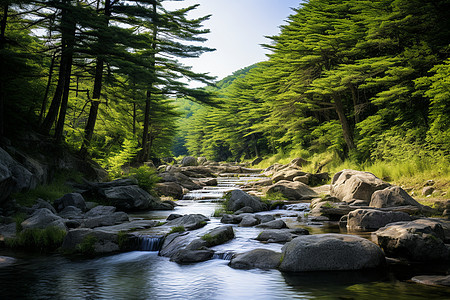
(237, 29)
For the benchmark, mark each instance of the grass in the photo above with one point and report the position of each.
(177, 229)
(50, 192)
(39, 240)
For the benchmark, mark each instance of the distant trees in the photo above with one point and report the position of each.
(346, 76)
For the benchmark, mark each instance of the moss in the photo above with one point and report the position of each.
(39, 240)
(87, 246)
(122, 240)
(177, 229)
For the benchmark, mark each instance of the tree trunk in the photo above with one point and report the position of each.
(2, 45)
(47, 89)
(93, 111)
(348, 137)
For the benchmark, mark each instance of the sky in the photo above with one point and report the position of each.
(238, 28)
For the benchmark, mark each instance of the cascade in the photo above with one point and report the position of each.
(150, 243)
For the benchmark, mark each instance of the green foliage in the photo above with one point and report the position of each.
(40, 240)
(122, 240)
(177, 229)
(18, 219)
(57, 188)
(145, 176)
(87, 245)
(114, 164)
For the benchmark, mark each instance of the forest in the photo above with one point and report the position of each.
(363, 81)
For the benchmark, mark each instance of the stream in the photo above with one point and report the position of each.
(145, 275)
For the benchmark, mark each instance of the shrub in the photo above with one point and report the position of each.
(145, 176)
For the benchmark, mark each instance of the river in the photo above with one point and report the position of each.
(145, 275)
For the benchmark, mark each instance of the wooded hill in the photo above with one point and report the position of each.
(365, 79)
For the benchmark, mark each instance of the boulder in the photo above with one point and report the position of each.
(191, 256)
(43, 204)
(6, 183)
(330, 252)
(92, 242)
(129, 198)
(372, 219)
(244, 210)
(292, 190)
(392, 196)
(231, 219)
(287, 174)
(100, 210)
(419, 240)
(274, 236)
(298, 162)
(173, 217)
(169, 189)
(71, 212)
(256, 161)
(72, 199)
(175, 242)
(248, 221)
(428, 190)
(189, 222)
(350, 184)
(332, 211)
(238, 199)
(303, 179)
(275, 224)
(7, 261)
(179, 178)
(43, 218)
(106, 220)
(258, 258)
(218, 236)
(265, 218)
(201, 160)
(434, 280)
(189, 161)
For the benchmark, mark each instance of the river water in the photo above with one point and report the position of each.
(145, 275)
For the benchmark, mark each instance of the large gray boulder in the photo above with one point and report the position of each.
(218, 236)
(189, 161)
(180, 179)
(372, 219)
(71, 212)
(287, 174)
(258, 258)
(292, 190)
(348, 185)
(330, 252)
(275, 224)
(43, 218)
(238, 199)
(175, 242)
(191, 256)
(189, 222)
(392, 196)
(72, 199)
(129, 198)
(169, 189)
(100, 210)
(419, 240)
(105, 220)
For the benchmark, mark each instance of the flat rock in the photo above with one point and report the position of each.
(372, 219)
(274, 236)
(292, 190)
(275, 224)
(43, 218)
(189, 222)
(432, 280)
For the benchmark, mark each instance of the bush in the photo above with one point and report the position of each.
(41, 240)
(145, 176)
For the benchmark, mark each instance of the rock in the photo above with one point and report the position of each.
(192, 256)
(248, 221)
(218, 236)
(265, 218)
(201, 160)
(275, 224)
(428, 190)
(244, 210)
(100, 210)
(189, 161)
(190, 222)
(275, 236)
(7, 231)
(258, 258)
(173, 217)
(287, 174)
(129, 198)
(231, 219)
(303, 179)
(90, 242)
(169, 189)
(371, 219)
(6, 183)
(238, 199)
(43, 204)
(71, 212)
(256, 161)
(330, 210)
(432, 280)
(292, 190)
(106, 220)
(392, 196)
(43, 218)
(133, 225)
(419, 240)
(175, 242)
(72, 199)
(318, 178)
(330, 252)
(179, 178)
(7, 261)
(350, 184)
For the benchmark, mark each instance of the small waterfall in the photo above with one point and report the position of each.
(150, 243)
(223, 255)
